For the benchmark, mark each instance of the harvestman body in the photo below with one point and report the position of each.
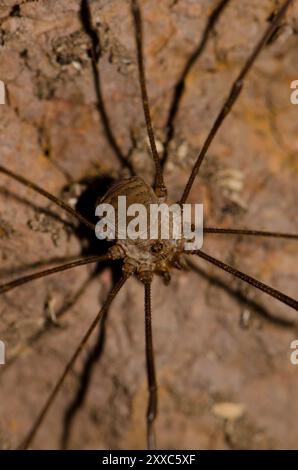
(150, 257)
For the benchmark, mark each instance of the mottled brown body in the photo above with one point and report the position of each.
(149, 256)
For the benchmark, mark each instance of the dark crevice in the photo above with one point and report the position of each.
(96, 188)
(15, 11)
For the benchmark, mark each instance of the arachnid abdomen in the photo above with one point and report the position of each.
(130, 191)
(135, 189)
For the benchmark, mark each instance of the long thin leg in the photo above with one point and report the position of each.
(37, 208)
(80, 262)
(233, 95)
(152, 385)
(43, 192)
(285, 299)
(257, 233)
(246, 302)
(30, 436)
(46, 328)
(37, 264)
(180, 85)
(159, 185)
(85, 378)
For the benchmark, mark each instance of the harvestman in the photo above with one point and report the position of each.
(161, 256)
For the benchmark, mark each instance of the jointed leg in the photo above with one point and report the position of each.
(47, 327)
(236, 293)
(159, 185)
(152, 385)
(257, 233)
(84, 383)
(180, 85)
(233, 95)
(43, 192)
(80, 262)
(250, 280)
(30, 436)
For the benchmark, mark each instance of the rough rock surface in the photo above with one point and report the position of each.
(219, 344)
